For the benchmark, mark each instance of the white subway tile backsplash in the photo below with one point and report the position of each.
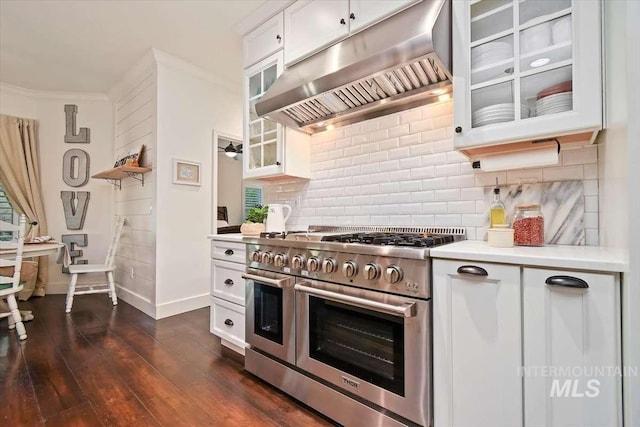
(402, 169)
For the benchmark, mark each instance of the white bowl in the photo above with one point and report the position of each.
(561, 30)
(535, 38)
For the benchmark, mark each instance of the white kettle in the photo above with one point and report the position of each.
(276, 218)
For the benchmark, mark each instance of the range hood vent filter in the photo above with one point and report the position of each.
(400, 63)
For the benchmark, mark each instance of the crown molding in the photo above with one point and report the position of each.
(42, 94)
(139, 71)
(266, 10)
(163, 58)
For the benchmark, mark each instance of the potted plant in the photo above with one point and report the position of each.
(254, 224)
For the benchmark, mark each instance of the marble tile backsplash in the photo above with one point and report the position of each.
(401, 169)
(562, 204)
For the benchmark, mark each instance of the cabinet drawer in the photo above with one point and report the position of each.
(226, 281)
(227, 321)
(263, 41)
(228, 251)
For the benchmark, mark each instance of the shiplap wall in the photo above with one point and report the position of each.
(135, 116)
(401, 169)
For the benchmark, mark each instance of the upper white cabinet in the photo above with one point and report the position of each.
(571, 322)
(526, 70)
(270, 149)
(263, 41)
(311, 25)
(477, 348)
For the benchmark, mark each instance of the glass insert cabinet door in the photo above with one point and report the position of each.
(522, 60)
(262, 136)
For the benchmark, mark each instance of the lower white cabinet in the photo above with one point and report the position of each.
(228, 291)
(571, 323)
(516, 344)
(477, 344)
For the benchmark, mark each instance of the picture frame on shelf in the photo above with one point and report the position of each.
(135, 155)
(186, 172)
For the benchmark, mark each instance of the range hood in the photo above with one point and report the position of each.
(397, 64)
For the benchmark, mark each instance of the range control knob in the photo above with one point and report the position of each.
(350, 268)
(313, 264)
(267, 258)
(256, 256)
(281, 259)
(298, 262)
(393, 274)
(329, 265)
(371, 271)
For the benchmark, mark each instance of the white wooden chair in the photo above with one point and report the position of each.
(10, 285)
(106, 268)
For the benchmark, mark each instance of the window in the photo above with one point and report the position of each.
(7, 214)
(252, 198)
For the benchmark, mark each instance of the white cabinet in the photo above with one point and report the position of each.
(263, 41)
(526, 70)
(270, 149)
(228, 291)
(477, 344)
(313, 24)
(576, 329)
(363, 13)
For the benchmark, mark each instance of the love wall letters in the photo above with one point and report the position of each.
(75, 173)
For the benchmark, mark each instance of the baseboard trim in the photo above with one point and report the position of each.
(136, 300)
(182, 305)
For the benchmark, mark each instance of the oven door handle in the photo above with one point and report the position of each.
(276, 283)
(404, 310)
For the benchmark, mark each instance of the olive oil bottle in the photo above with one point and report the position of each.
(497, 212)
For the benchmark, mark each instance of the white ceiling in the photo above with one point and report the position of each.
(88, 46)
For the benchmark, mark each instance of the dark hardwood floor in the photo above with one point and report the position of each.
(115, 366)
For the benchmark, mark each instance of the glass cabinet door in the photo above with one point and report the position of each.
(262, 137)
(520, 55)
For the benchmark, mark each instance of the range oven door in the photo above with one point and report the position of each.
(269, 318)
(371, 344)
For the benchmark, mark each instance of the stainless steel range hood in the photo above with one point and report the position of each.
(397, 64)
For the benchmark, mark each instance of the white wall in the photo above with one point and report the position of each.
(190, 105)
(135, 125)
(401, 169)
(229, 175)
(95, 112)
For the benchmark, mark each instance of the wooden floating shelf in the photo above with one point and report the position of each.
(116, 175)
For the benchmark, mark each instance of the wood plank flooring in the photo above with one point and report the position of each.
(115, 366)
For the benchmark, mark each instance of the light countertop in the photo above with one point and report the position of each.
(594, 258)
(231, 237)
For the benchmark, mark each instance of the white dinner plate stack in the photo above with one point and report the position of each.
(490, 53)
(497, 113)
(556, 103)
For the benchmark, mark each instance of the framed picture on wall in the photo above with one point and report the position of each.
(186, 172)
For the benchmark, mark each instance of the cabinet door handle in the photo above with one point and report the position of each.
(278, 163)
(472, 270)
(458, 129)
(228, 322)
(279, 38)
(228, 282)
(343, 22)
(352, 16)
(228, 252)
(567, 282)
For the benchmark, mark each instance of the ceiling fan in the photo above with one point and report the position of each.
(231, 150)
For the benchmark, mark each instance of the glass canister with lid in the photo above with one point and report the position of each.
(528, 226)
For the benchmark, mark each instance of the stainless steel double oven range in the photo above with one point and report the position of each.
(341, 320)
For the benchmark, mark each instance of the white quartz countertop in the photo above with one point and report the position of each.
(231, 237)
(594, 258)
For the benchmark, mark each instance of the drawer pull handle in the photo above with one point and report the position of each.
(472, 270)
(228, 252)
(228, 322)
(567, 282)
(228, 282)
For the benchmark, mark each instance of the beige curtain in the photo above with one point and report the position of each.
(20, 176)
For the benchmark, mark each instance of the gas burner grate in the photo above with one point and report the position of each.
(392, 239)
